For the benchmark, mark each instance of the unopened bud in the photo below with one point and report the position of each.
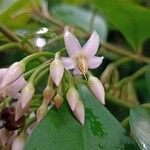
(13, 73)
(56, 71)
(97, 88)
(79, 112)
(72, 97)
(18, 143)
(58, 100)
(26, 94)
(41, 112)
(48, 94)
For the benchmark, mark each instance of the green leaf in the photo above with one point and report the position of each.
(131, 20)
(15, 13)
(81, 18)
(60, 130)
(140, 126)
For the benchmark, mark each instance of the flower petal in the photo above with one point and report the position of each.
(71, 43)
(76, 71)
(91, 46)
(2, 73)
(68, 62)
(14, 88)
(94, 62)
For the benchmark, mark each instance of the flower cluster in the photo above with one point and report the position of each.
(14, 86)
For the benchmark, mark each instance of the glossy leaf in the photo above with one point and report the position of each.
(140, 126)
(60, 130)
(81, 18)
(16, 11)
(131, 20)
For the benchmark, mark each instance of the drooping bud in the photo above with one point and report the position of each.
(56, 71)
(48, 94)
(41, 111)
(72, 97)
(97, 88)
(58, 100)
(79, 112)
(13, 73)
(18, 143)
(26, 94)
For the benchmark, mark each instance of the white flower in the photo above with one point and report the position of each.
(81, 58)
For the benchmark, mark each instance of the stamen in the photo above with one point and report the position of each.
(82, 64)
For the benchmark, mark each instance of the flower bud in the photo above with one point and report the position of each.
(79, 112)
(41, 111)
(26, 94)
(97, 88)
(13, 73)
(48, 94)
(72, 97)
(58, 100)
(18, 143)
(56, 71)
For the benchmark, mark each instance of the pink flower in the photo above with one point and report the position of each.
(13, 73)
(79, 112)
(81, 58)
(56, 71)
(97, 88)
(13, 89)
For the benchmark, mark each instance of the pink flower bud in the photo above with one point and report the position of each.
(18, 143)
(97, 88)
(79, 112)
(56, 71)
(13, 73)
(41, 112)
(72, 97)
(26, 94)
(58, 100)
(48, 94)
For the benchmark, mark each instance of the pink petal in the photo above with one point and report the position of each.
(72, 97)
(13, 73)
(79, 112)
(26, 94)
(76, 71)
(2, 73)
(91, 46)
(97, 88)
(18, 143)
(13, 90)
(71, 43)
(68, 62)
(20, 111)
(56, 71)
(94, 62)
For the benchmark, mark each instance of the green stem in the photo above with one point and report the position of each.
(124, 52)
(125, 123)
(121, 61)
(118, 102)
(37, 71)
(134, 76)
(27, 59)
(40, 76)
(9, 34)
(8, 46)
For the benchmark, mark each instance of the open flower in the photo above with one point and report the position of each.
(81, 58)
(13, 89)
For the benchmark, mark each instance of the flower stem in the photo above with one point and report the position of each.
(134, 76)
(37, 71)
(124, 52)
(8, 46)
(27, 59)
